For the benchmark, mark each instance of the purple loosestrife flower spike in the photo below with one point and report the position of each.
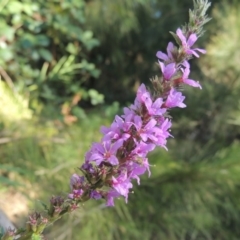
(121, 156)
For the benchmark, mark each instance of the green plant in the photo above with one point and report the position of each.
(44, 51)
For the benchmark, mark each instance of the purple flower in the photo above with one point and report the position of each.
(77, 185)
(168, 70)
(188, 43)
(110, 197)
(118, 129)
(145, 132)
(122, 185)
(162, 133)
(154, 109)
(121, 156)
(128, 113)
(142, 93)
(76, 193)
(95, 195)
(175, 99)
(166, 57)
(76, 181)
(139, 169)
(143, 97)
(188, 81)
(88, 167)
(142, 149)
(105, 151)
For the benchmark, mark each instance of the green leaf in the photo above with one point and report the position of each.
(6, 55)
(7, 31)
(27, 8)
(79, 112)
(96, 97)
(45, 206)
(42, 40)
(71, 48)
(45, 54)
(14, 7)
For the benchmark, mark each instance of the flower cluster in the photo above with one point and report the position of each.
(121, 156)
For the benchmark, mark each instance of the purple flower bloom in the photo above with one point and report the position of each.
(122, 185)
(175, 99)
(110, 197)
(154, 109)
(143, 97)
(95, 195)
(118, 129)
(139, 169)
(145, 132)
(142, 149)
(142, 127)
(166, 57)
(88, 167)
(142, 93)
(162, 133)
(188, 81)
(188, 43)
(76, 184)
(76, 193)
(105, 151)
(76, 181)
(128, 113)
(168, 71)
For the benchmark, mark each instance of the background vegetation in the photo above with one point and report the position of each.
(68, 66)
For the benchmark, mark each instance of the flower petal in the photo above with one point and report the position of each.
(162, 56)
(192, 39)
(181, 36)
(192, 83)
(170, 48)
(169, 70)
(113, 160)
(162, 66)
(200, 50)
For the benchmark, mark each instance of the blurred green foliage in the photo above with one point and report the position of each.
(50, 50)
(44, 48)
(130, 33)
